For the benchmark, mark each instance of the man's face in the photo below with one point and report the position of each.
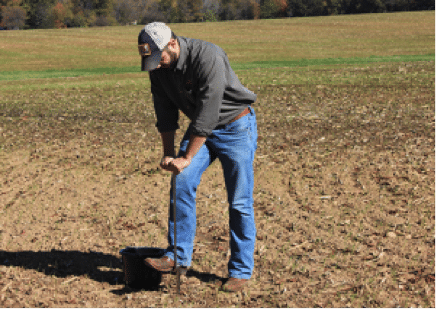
(167, 60)
(169, 55)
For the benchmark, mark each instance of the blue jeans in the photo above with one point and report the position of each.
(234, 145)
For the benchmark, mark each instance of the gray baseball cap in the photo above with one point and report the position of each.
(151, 41)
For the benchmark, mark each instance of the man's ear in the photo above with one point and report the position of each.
(172, 45)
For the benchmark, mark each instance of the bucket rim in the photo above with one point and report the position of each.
(150, 251)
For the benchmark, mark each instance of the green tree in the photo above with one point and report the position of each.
(409, 5)
(362, 6)
(332, 7)
(307, 7)
(211, 10)
(422, 5)
(40, 14)
(269, 9)
(210, 16)
(397, 5)
(169, 10)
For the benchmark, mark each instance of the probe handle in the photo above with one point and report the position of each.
(177, 269)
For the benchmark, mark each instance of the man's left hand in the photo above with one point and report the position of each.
(179, 164)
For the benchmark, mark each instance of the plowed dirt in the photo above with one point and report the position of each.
(344, 197)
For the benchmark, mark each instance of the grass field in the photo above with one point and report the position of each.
(344, 194)
(353, 36)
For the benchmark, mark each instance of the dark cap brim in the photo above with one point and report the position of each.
(143, 64)
(151, 62)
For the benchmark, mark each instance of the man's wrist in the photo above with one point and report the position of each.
(187, 157)
(194, 145)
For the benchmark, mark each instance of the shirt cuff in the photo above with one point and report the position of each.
(163, 129)
(203, 133)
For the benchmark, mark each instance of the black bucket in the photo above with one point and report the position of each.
(137, 275)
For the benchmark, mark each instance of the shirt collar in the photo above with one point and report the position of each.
(183, 55)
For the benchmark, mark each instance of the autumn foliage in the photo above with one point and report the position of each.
(18, 14)
(60, 14)
(13, 15)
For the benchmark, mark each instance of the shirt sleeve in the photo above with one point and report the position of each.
(167, 113)
(211, 85)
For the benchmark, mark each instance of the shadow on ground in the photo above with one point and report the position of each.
(75, 263)
(67, 263)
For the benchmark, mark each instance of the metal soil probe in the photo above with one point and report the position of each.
(177, 268)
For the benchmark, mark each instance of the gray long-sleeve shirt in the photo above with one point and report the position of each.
(202, 85)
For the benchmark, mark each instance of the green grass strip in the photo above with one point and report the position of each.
(332, 61)
(25, 75)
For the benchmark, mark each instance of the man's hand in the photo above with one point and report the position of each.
(165, 163)
(177, 165)
(174, 165)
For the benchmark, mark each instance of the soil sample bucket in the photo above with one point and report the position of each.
(137, 275)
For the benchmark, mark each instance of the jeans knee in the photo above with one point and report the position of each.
(242, 208)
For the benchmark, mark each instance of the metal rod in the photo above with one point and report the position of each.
(177, 269)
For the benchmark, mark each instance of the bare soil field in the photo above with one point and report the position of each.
(344, 194)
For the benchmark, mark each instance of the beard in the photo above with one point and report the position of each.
(173, 60)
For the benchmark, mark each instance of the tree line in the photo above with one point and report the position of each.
(37, 14)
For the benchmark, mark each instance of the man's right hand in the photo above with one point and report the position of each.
(165, 163)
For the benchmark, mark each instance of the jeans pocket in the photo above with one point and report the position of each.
(240, 125)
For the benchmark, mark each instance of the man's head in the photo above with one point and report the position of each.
(158, 47)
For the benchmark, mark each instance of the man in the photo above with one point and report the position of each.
(195, 77)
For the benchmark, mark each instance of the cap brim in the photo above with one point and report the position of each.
(151, 62)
